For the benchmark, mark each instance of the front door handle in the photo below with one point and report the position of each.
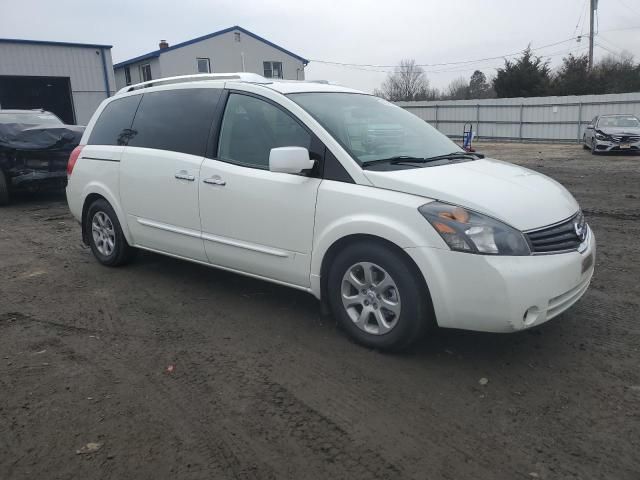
(215, 180)
(184, 175)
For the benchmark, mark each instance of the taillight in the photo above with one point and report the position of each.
(73, 158)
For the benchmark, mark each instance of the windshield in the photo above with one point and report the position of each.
(371, 129)
(619, 122)
(31, 118)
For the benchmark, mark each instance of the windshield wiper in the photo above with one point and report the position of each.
(454, 155)
(394, 160)
(402, 159)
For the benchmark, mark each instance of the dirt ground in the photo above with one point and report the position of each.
(265, 387)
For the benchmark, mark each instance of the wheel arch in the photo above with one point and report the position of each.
(345, 241)
(91, 198)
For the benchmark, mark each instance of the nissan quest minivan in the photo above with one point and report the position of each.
(331, 191)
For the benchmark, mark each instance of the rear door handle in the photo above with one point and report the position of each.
(215, 181)
(183, 175)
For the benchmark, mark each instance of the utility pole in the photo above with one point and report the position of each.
(592, 13)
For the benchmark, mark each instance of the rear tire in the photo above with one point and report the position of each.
(386, 308)
(4, 189)
(106, 239)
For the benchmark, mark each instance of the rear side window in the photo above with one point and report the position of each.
(175, 120)
(113, 125)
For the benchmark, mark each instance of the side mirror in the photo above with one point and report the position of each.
(590, 126)
(290, 160)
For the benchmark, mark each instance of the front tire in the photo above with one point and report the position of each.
(376, 295)
(106, 239)
(584, 142)
(4, 189)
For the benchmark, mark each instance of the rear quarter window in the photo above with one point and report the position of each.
(175, 120)
(114, 124)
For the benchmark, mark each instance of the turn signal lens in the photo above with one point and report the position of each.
(442, 228)
(458, 214)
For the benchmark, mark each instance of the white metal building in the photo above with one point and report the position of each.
(68, 79)
(233, 49)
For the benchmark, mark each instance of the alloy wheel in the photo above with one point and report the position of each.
(104, 235)
(371, 298)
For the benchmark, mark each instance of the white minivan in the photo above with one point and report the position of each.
(332, 191)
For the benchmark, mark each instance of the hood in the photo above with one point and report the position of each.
(518, 196)
(619, 130)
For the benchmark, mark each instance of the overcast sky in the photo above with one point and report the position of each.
(354, 32)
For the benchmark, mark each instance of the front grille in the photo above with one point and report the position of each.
(561, 237)
(625, 138)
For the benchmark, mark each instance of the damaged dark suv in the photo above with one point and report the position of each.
(34, 149)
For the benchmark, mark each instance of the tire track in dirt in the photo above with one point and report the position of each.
(280, 421)
(617, 214)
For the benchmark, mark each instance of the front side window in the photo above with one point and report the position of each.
(370, 128)
(175, 120)
(273, 69)
(127, 75)
(114, 124)
(204, 65)
(252, 127)
(145, 72)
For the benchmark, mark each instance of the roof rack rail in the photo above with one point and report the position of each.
(241, 76)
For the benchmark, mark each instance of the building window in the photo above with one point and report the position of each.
(273, 69)
(204, 65)
(236, 36)
(145, 72)
(127, 76)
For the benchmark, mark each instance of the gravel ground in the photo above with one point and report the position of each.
(165, 369)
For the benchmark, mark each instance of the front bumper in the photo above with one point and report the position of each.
(609, 146)
(500, 293)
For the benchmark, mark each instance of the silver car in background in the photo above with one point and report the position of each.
(613, 133)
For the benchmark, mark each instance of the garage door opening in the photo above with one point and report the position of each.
(50, 93)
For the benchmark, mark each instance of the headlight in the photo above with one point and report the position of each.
(468, 231)
(602, 136)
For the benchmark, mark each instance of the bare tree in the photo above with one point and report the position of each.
(458, 89)
(408, 82)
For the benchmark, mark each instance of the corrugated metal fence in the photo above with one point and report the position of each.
(558, 119)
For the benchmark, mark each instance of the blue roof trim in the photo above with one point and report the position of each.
(57, 44)
(156, 53)
(146, 56)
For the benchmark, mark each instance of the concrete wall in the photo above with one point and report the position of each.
(83, 65)
(542, 118)
(225, 55)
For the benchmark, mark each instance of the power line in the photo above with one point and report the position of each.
(446, 63)
(582, 10)
(601, 37)
(621, 29)
(609, 50)
(467, 68)
(622, 2)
